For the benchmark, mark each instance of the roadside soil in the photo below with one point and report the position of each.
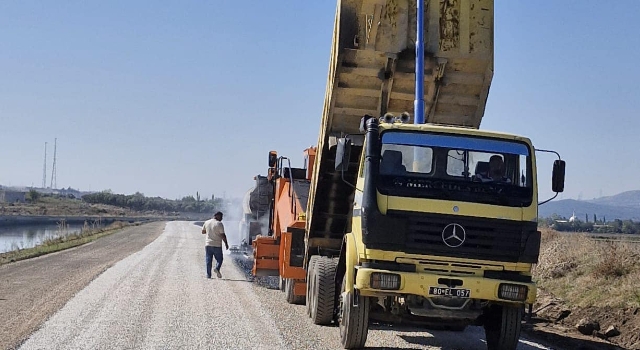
(33, 290)
(555, 321)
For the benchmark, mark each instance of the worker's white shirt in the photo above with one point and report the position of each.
(215, 230)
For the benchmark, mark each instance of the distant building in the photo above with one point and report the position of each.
(12, 196)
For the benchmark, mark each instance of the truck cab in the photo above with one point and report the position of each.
(443, 229)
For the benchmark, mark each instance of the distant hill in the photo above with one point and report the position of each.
(623, 206)
(625, 199)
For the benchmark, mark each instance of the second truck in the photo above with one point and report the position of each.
(398, 220)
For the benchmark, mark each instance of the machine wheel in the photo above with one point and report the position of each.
(353, 320)
(502, 327)
(310, 273)
(291, 298)
(323, 291)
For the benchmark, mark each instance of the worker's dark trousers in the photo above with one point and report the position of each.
(210, 253)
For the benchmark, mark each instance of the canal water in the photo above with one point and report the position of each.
(28, 236)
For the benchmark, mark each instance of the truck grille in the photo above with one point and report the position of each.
(486, 239)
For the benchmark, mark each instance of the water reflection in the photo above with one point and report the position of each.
(29, 236)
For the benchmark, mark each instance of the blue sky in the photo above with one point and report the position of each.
(170, 98)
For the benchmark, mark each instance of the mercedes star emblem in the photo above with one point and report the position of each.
(453, 235)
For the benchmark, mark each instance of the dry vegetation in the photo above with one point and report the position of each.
(584, 272)
(58, 206)
(48, 205)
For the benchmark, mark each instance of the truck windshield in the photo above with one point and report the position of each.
(456, 167)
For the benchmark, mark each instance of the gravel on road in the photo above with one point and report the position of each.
(159, 297)
(34, 289)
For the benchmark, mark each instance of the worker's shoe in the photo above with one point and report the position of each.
(218, 273)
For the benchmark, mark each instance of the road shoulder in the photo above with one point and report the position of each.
(32, 290)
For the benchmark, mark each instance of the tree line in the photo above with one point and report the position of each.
(139, 202)
(596, 225)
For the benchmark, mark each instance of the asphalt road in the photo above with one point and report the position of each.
(159, 298)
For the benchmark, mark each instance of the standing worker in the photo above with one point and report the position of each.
(214, 229)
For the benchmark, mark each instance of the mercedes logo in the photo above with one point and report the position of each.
(453, 235)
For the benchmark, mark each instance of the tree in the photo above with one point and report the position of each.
(628, 227)
(33, 195)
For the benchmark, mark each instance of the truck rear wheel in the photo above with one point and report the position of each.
(353, 320)
(323, 291)
(502, 327)
(289, 284)
(310, 273)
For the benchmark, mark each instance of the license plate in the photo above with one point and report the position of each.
(449, 292)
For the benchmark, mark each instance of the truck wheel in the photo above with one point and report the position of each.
(310, 273)
(323, 291)
(353, 320)
(281, 284)
(289, 284)
(502, 327)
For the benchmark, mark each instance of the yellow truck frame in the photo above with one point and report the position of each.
(338, 241)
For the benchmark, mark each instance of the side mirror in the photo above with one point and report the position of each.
(343, 154)
(273, 159)
(557, 176)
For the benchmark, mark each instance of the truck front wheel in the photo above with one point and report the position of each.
(502, 327)
(353, 320)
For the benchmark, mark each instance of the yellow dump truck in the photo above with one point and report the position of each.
(405, 211)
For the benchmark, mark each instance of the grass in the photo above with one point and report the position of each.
(88, 234)
(585, 272)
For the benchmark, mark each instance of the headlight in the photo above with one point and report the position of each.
(389, 281)
(515, 292)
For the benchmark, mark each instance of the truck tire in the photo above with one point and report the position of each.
(289, 284)
(281, 284)
(310, 273)
(353, 321)
(323, 291)
(502, 327)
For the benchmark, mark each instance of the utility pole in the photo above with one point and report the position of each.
(54, 184)
(44, 168)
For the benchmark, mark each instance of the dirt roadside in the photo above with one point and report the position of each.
(33, 290)
(556, 322)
